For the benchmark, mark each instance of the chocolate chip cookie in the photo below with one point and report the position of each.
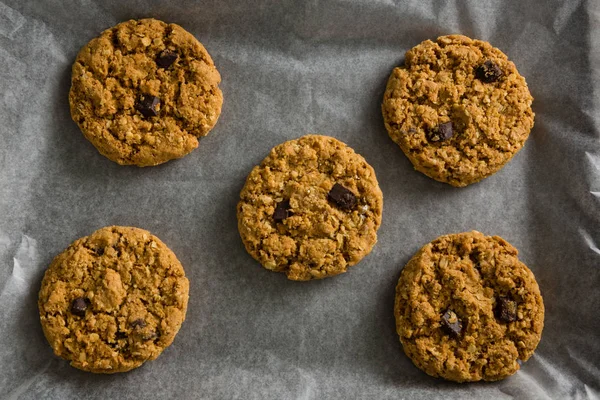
(144, 91)
(311, 209)
(467, 309)
(458, 109)
(113, 300)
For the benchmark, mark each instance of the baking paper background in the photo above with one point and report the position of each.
(291, 68)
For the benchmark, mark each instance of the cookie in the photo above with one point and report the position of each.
(458, 109)
(311, 209)
(144, 92)
(113, 300)
(467, 309)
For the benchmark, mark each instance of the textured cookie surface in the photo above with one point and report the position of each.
(458, 109)
(113, 300)
(144, 91)
(467, 309)
(311, 209)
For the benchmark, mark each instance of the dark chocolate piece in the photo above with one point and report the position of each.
(282, 211)
(166, 58)
(451, 324)
(146, 105)
(342, 197)
(506, 309)
(78, 306)
(488, 72)
(441, 132)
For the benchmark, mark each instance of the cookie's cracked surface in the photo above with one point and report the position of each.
(144, 91)
(113, 300)
(311, 208)
(467, 309)
(458, 109)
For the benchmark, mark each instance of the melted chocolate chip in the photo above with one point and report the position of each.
(488, 72)
(166, 58)
(441, 132)
(506, 309)
(451, 324)
(342, 197)
(146, 105)
(138, 323)
(78, 306)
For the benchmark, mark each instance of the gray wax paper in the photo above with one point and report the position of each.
(290, 68)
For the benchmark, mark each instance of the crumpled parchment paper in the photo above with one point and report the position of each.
(291, 68)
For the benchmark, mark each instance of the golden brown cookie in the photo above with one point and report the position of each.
(458, 109)
(311, 209)
(467, 309)
(113, 300)
(144, 91)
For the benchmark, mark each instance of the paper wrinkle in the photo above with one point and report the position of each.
(279, 374)
(591, 393)
(10, 21)
(535, 388)
(564, 13)
(24, 270)
(589, 241)
(548, 369)
(553, 370)
(580, 359)
(307, 382)
(594, 160)
(18, 298)
(4, 241)
(16, 393)
(26, 257)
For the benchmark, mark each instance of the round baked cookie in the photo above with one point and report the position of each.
(467, 309)
(458, 109)
(144, 91)
(311, 209)
(113, 300)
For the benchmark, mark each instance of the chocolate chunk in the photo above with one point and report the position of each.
(451, 324)
(166, 58)
(440, 133)
(146, 105)
(282, 211)
(488, 72)
(138, 323)
(79, 306)
(344, 198)
(506, 309)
